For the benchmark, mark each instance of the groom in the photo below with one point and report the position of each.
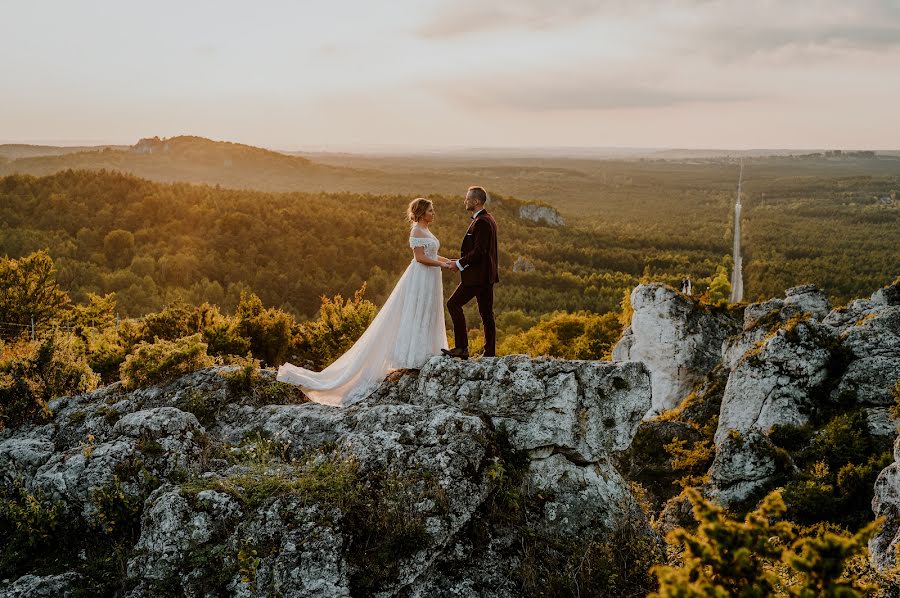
(478, 273)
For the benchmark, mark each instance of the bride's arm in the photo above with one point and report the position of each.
(419, 253)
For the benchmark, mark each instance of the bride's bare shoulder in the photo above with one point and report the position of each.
(418, 233)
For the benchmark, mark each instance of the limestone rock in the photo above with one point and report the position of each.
(886, 503)
(777, 382)
(762, 319)
(745, 463)
(523, 264)
(586, 409)
(220, 507)
(543, 214)
(873, 345)
(678, 340)
(64, 585)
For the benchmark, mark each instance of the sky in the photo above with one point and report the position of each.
(454, 73)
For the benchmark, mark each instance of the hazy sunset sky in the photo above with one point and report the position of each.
(293, 75)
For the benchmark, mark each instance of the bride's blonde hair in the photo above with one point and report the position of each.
(417, 209)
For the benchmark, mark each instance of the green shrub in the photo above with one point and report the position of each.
(568, 336)
(161, 361)
(838, 466)
(760, 556)
(250, 386)
(116, 513)
(220, 332)
(28, 289)
(268, 330)
(28, 524)
(99, 312)
(105, 352)
(317, 343)
(692, 462)
(175, 321)
(33, 373)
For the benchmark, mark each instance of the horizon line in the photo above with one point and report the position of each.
(348, 147)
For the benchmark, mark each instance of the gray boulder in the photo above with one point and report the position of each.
(678, 341)
(64, 585)
(233, 506)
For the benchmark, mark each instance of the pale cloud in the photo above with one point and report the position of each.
(472, 16)
(584, 89)
(724, 29)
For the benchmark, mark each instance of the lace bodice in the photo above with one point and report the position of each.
(430, 243)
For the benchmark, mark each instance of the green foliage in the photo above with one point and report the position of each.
(821, 560)
(250, 386)
(895, 408)
(693, 461)
(248, 563)
(602, 562)
(627, 311)
(33, 373)
(719, 290)
(319, 342)
(838, 466)
(29, 289)
(118, 247)
(28, 524)
(116, 512)
(725, 557)
(568, 336)
(220, 332)
(105, 352)
(759, 556)
(268, 330)
(99, 312)
(162, 361)
(175, 321)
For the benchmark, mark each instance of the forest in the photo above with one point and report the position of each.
(109, 276)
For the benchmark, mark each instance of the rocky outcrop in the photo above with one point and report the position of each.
(523, 264)
(762, 319)
(793, 362)
(43, 586)
(676, 338)
(390, 496)
(886, 503)
(541, 214)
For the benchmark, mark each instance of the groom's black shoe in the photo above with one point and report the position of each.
(457, 352)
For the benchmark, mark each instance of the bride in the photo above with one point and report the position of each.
(406, 332)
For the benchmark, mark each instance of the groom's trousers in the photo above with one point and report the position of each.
(484, 294)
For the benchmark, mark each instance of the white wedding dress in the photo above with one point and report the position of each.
(405, 333)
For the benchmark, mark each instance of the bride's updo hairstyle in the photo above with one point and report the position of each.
(417, 209)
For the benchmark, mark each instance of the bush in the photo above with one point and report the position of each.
(568, 336)
(839, 465)
(759, 556)
(175, 321)
(220, 332)
(28, 289)
(268, 330)
(28, 524)
(105, 352)
(33, 373)
(162, 361)
(317, 343)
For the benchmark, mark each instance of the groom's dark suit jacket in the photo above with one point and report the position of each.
(479, 252)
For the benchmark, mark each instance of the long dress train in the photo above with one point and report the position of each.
(405, 333)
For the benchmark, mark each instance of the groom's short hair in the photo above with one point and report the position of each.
(479, 193)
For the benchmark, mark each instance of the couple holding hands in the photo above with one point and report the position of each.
(410, 328)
